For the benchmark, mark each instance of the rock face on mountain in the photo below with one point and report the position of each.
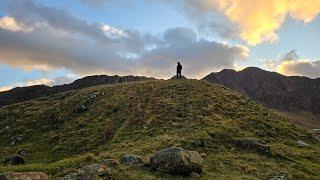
(272, 89)
(21, 94)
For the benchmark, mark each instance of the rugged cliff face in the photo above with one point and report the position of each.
(272, 89)
(21, 94)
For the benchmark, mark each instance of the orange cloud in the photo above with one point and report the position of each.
(9, 23)
(259, 20)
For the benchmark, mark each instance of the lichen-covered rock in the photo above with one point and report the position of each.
(255, 145)
(177, 161)
(24, 176)
(90, 172)
(132, 160)
(13, 160)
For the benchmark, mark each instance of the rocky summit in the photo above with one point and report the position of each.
(153, 129)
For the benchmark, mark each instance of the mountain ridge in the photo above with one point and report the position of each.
(20, 94)
(286, 93)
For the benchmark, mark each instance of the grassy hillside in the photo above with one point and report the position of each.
(143, 117)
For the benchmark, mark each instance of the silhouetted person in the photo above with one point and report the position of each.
(179, 69)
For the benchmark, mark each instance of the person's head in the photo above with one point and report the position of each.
(178, 62)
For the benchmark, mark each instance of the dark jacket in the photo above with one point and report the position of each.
(179, 68)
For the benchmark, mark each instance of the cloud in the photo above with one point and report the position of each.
(9, 23)
(300, 68)
(253, 21)
(290, 56)
(57, 39)
(291, 64)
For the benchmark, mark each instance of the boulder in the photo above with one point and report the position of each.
(13, 160)
(24, 176)
(79, 108)
(255, 145)
(89, 172)
(132, 160)
(176, 161)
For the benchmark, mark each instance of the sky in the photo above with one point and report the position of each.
(55, 42)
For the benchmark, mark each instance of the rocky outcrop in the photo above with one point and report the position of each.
(176, 161)
(24, 176)
(90, 172)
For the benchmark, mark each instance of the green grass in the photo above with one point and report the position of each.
(144, 117)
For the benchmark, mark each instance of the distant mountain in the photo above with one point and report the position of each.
(272, 89)
(20, 94)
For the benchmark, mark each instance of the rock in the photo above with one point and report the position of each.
(13, 160)
(79, 108)
(132, 160)
(255, 145)
(24, 176)
(110, 162)
(194, 175)
(278, 176)
(302, 144)
(176, 161)
(90, 172)
(316, 130)
(16, 139)
(261, 133)
(23, 152)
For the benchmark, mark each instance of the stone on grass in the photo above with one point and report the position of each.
(302, 144)
(14, 140)
(110, 163)
(255, 145)
(79, 108)
(132, 160)
(176, 161)
(90, 172)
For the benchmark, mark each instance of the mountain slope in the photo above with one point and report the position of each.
(272, 89)
(143, 117)
(21, 94)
